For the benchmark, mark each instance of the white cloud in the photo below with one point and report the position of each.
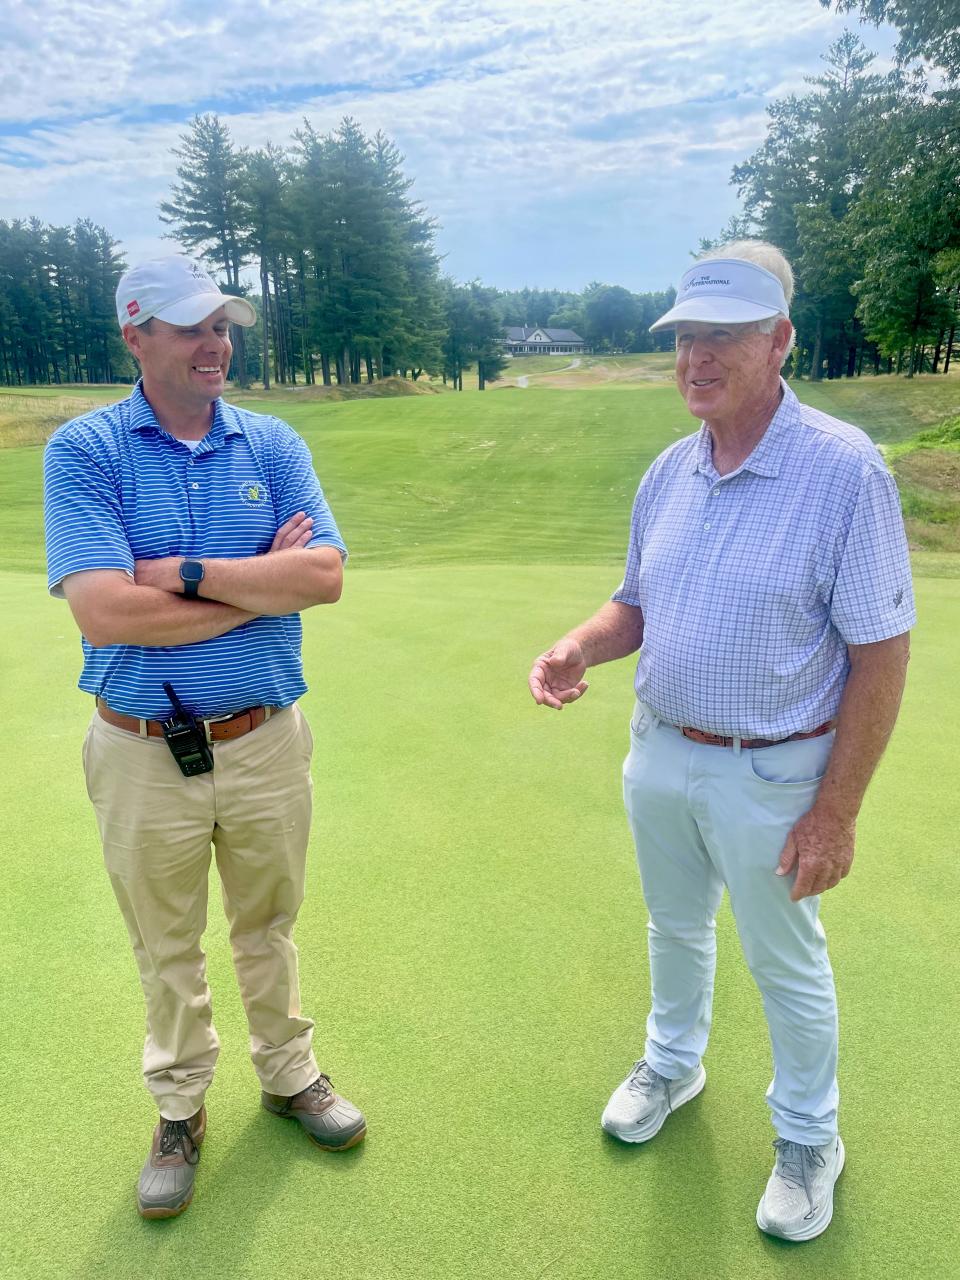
(612, 125)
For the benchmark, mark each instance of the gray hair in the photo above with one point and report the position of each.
(762, 254)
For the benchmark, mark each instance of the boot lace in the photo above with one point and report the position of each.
(321, 1088)
(176, 1133)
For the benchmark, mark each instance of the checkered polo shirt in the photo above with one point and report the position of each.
(753, 584)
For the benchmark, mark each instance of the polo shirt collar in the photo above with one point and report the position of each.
(226, 421)
(768, 453)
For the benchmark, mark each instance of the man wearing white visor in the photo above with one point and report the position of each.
(187, 534)
(767, 590)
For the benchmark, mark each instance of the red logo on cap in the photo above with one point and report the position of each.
(133, 307)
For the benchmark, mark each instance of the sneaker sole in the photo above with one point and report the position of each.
(164, 1213)
(683, 1095)
(819, 1224)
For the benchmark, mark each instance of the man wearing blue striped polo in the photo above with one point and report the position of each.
(186, 535)
(767, 589)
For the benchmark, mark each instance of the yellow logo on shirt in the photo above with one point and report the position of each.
(253, 493)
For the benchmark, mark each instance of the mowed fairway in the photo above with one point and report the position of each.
(473, 941)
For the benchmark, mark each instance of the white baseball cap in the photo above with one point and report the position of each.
(178, 290)
(725, 291)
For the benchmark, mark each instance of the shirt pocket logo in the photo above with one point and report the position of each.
(253, 493)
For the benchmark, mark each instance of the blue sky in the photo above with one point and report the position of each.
(557, 141)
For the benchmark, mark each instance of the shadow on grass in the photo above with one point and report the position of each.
(693, 1212)
(240, 1204)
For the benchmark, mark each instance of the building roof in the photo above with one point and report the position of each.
(523, 333)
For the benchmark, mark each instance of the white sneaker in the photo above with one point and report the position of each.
(798, 1201)
(638, 1108)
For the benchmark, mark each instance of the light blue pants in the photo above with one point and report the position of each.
(705, 817)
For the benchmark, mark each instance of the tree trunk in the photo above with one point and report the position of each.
(936, 351)
(265, 309)
(306, 356)
(325, 368)
(368, 361)
(816, 371)
(946, 361)
(288, 321)
(279, 337)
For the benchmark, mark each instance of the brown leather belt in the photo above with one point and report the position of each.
(716, 739)
(225, 730)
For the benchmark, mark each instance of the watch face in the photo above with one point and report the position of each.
(191, 571)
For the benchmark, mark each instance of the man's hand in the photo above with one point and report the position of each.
(820, 846)
(164, 572)
(297, 532)
(556, 677)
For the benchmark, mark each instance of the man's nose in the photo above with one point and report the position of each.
(700, 351)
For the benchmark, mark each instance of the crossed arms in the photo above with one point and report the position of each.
(150, 610)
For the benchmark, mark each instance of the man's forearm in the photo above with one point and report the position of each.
(868, 712)
(614, 631)
(281, 582)
(154, 618)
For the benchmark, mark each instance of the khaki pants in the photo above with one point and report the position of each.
(157, 828)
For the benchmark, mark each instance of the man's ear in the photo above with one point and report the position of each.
(133, 339)
(781, 339)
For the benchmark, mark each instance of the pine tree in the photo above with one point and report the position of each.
(205, 209)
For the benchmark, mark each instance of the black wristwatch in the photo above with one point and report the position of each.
(191, 575)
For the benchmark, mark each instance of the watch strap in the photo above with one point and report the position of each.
(191, 582)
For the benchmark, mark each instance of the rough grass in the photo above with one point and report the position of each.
(30, 415)
(927, 468)
(383, 388)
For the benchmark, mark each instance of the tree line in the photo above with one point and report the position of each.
(348, 280)
(58, 319)
(857, 180)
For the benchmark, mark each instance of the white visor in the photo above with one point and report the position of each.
(725, 291)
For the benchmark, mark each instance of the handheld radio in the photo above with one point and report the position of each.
(186, 738)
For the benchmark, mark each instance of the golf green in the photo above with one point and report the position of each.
(473, 951)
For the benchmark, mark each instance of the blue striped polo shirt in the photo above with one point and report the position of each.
(118, 488)
(753, 584)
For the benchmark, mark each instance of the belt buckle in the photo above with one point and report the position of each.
(207, 724)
